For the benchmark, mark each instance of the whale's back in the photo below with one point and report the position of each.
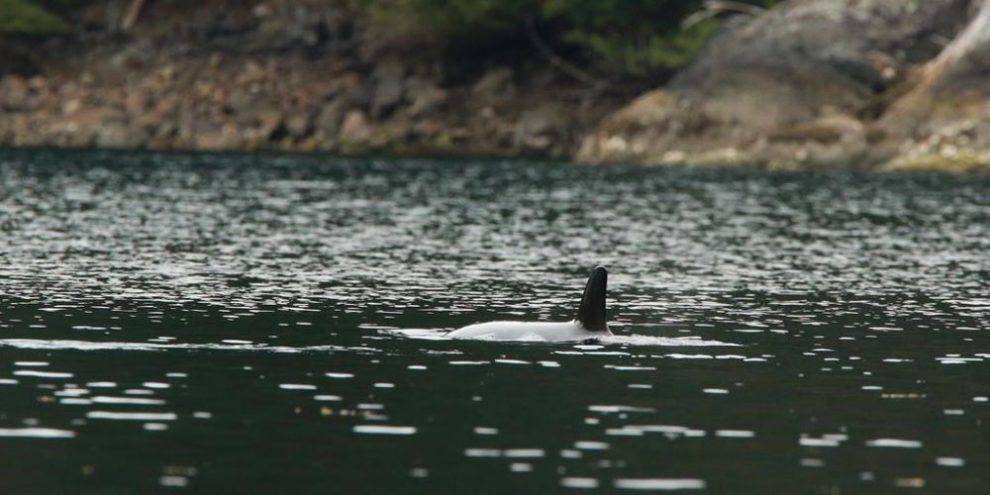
(536, 331)
(589, 323)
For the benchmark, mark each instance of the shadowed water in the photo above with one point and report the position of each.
(273, 324)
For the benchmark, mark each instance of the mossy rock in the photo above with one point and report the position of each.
(964, 160)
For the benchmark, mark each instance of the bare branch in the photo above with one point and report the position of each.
(558, 62)
(131, 17)
(976, 34)
(714, 8)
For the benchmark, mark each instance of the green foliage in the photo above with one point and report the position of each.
(647, 52)
(27, 17)
(635, 37)
(449, 19)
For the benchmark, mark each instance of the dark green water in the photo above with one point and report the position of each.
(266, 324)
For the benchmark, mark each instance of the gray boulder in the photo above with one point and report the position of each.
(796, 64)
(494, 86)
(784, 66)
(389, 88)
(15, 93)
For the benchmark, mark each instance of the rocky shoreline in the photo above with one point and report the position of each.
(825, 83)
(271, 78)
(216, 103)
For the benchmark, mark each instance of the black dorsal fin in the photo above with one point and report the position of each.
(591, 314)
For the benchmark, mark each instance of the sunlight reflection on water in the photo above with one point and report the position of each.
(827, 327)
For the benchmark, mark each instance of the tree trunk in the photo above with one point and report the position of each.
(975, 36)
(915, 108)
(131, 17)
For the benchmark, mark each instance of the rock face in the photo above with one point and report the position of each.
(942, 119)
(389, 85)
(800, 85)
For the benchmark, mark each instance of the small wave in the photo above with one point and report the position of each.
(417, 333)
(625, 340)
(650, 340)
(85, 345)
(36, 433)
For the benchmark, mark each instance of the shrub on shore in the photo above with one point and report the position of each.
(29, 17)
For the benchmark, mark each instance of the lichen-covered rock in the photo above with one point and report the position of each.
(299, 124)
(14, 93)
(117, 134)
(355, 131)
(494, 86)
(327, 122)
(389, 87)
(425, 97)
(957, 146)
(538, 129)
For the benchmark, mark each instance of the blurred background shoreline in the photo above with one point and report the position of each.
(877, 84)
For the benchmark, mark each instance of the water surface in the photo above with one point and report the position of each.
(270, 324)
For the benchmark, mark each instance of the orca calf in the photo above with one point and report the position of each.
(589, 324)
